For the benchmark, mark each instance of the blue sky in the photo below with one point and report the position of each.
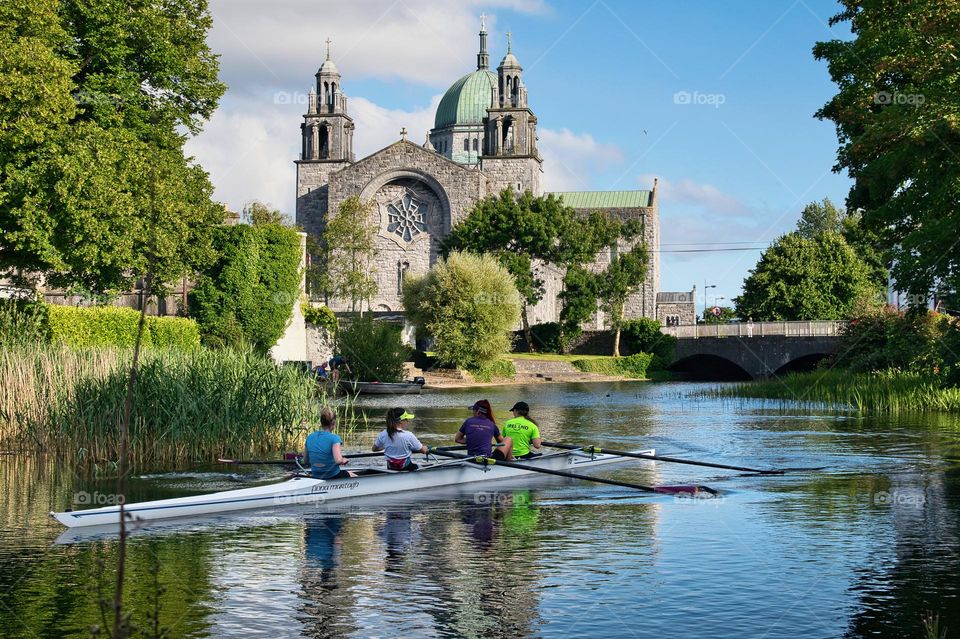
(716, 99)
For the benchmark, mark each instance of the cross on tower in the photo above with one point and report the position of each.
(328, 47)
(483, 22)
(403, 133)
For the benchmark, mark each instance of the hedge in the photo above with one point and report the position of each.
(117, 326)
(634, 366)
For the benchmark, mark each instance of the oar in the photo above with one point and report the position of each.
(623, 453)
(667, 490)
(292, 457)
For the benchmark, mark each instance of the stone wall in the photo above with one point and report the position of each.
(523, 171)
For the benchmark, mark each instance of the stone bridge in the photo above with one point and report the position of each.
(752, 350)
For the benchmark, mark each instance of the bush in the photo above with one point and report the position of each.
(374, 350)
(469, 304)
(643, 335)
(247, 295)
(84, 327)
(551, 337)
(634, 366)
(23, 322)
(497, 369)
(320, 316)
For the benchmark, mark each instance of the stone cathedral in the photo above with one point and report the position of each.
(484, 139)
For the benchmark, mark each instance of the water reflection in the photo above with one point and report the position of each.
(863, 548)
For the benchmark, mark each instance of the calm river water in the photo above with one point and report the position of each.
(867, 546)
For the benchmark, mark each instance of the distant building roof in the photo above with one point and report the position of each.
(604, 199)
(673, 297)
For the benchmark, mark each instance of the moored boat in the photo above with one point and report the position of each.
(307, 490)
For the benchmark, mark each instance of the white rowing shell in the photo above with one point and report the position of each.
(306, 490)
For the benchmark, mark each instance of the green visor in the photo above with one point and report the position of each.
(406, 416)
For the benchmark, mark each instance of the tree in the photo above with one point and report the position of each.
(805, 279)
(374, 349)
(245, 298)
(523, 233)
(820, 217)
(622, 277)
(897, 114)
(469, 304)
(727, 315)
(77, 180)
(342, 257)
(257, 213)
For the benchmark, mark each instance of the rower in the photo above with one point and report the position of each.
(398, 443)
(478, 433)
(321, 451)
(524, 432)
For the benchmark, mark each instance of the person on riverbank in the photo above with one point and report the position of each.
(322, 453)
(397, 443)
(523, 431)
(480, 431)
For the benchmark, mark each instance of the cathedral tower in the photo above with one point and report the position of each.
(326, 144)
(510, 155)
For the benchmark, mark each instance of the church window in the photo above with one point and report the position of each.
(476, 144)
(466, 144)
(407, 217)
(324, 142)
(402, 268)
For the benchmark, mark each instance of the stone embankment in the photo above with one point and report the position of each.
(529, 371)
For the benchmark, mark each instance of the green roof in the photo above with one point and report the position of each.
(604, 199)
(467, 100)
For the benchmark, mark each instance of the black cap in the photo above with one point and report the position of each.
(521, 406)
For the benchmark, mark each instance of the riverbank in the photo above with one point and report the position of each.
(540, 368)
(880, 392)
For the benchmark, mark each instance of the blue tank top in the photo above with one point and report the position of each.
(319, 447)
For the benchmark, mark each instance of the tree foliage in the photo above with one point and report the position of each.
(246, 297)
(727, 315)
(622, 277)
(820, 217)
(469, 305)
(374, 349)
(800, 278)
(897, 114)
(342, 257)
(94, 187)
(258, 213)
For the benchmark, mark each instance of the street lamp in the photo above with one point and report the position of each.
(705, 287)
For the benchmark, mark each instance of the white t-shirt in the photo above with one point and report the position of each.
(402, 444)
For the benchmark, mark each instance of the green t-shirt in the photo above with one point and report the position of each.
(522, 430)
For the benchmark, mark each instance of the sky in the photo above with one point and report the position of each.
(716, 100)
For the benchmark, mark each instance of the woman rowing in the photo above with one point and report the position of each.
(398, 444)
(523, 431)
(321, 452)
(478, 433)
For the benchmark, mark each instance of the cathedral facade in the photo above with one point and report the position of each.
(484, 139)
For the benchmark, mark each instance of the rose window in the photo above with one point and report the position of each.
(407, 217)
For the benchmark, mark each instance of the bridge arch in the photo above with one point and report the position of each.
(802, 364)
(706, 367)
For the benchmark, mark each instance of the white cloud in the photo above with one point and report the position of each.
(706, 197)
(378, 127)
(570, 160)
(282, 43)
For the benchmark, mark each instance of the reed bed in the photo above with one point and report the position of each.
(191, 405)
(879, 392)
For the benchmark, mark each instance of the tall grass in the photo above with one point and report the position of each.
(189, 405)
(880, 392)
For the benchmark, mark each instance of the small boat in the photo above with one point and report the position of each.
(383, 388)
(307, 490)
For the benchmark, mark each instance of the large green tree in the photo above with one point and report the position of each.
(95, 189)
(245, 297)
(826, 217)
(897, 114)
(799, 278)
(469, 304)
(620, 279)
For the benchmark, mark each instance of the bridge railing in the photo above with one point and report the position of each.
(757, 329)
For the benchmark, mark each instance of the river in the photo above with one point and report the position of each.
(866, 546)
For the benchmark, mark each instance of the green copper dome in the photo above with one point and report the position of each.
(467, 101)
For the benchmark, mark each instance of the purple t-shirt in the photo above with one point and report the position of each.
(479, 432)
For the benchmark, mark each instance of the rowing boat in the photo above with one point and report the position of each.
(307, 490)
